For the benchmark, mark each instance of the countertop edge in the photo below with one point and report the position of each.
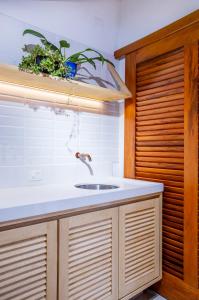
(58, 214)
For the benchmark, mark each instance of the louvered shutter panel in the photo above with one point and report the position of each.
(139, 247)
(89, 256)
(24, 256)
(198, 165)
(159, 154)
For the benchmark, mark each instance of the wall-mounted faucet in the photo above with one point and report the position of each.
(83, 157)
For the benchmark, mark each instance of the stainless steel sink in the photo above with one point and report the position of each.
(95, 186)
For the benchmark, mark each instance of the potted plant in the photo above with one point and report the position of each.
(50, 60)
(46, 58)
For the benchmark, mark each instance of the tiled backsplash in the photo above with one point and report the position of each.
(38, 144)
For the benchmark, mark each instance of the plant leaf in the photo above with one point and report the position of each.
(95, 51)
(35, 33)
(64, 44)
(83, 55)
(77, 57)
(85, 59)
(74, 57)
(52, 46)
(101, 58)
(109, 62)
(90, 61)
(81, 58)
(104, 60)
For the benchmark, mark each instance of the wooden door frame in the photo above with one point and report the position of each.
(190, 19)
(130, 110)
(191, 165)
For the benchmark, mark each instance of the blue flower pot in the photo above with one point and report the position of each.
(39, 59)
(72, 69)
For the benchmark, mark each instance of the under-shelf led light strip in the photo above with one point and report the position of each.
(24, 94)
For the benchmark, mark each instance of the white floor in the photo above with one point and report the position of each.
(148, 295)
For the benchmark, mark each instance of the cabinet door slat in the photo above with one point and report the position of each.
(86, 243)
(28, 262)
(140, 246)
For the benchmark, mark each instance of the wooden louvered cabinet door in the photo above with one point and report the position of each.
(139, 246)
(88, 256)
(159, 144)
(28, 262)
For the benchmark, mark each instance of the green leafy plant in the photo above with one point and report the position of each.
(46, 58)
(80, 58)
(49, 59)
(62, 44)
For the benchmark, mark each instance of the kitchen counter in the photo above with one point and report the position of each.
(24, 202)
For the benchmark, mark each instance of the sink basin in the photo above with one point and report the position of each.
(95, 186)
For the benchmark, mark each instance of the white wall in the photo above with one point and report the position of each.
(141, 17)
(91, 22)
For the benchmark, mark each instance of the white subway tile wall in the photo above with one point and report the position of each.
(38, 144)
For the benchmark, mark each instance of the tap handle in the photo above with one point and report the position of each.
(83, 156)
(77, 154)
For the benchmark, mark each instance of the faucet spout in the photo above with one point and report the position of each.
(82, 157)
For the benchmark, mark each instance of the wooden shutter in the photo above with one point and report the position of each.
(88, 256)
(198, 165)
(24, 255)
(140, 246)
(161, 141)
(159, 148)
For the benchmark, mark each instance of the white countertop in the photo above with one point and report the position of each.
(17, 203)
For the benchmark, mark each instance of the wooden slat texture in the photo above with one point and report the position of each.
(198, 166)
(159, 135)
(88, 256)
(24, 256)
(139, 247)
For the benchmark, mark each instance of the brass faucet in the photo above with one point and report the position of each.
(83, 156)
